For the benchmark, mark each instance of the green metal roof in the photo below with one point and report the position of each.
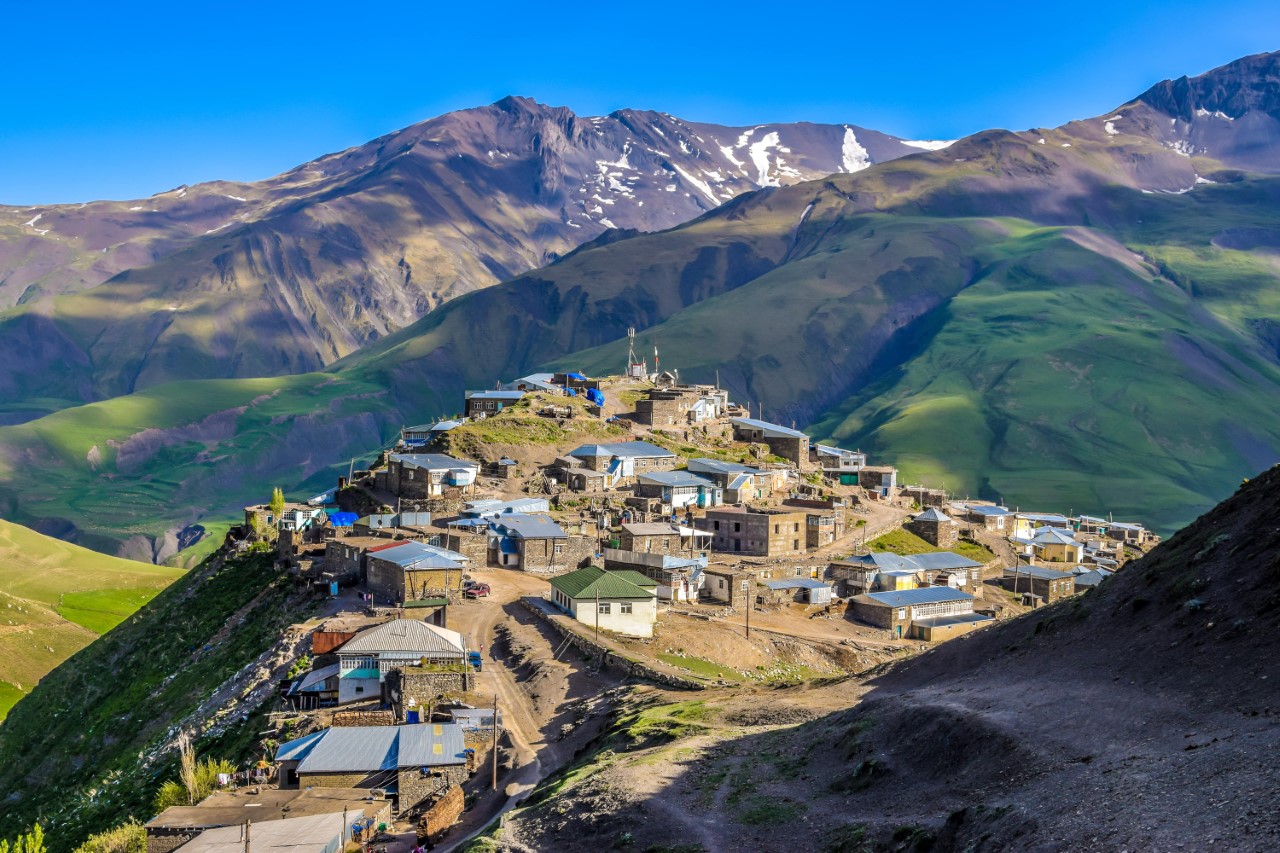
(590, 581)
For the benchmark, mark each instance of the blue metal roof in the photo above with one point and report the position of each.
(984, 510)
(418, 555)
(932, 561)
(432, 461)
(342, 519)
(365, 749)
(520, 526)
(1036, 572)
(718, 466)
(924, 595)
(636, 449)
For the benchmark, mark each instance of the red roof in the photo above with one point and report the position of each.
(388, 547)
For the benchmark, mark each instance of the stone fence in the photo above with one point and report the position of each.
(605, 655)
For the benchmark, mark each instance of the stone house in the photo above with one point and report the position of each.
(762, 533)
(535, 543)
(366, 660)
(679, 489)
(344, 559)
(802, 590)
(729, 586)
(659, 538)
(823, 528)
(624, 460)
(422, 476)
(991, 518)
(624, 601)
(419, 762)
(484, 404)
(406, 524)
(790, 444)
(413, 571)
(177, 825)
(835, 462)
(935, 527)
(880, 479)
(929, 613)
(741, 483)
(1049, 585)
(883, 572)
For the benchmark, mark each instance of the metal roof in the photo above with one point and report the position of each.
(494, 395)
(366, 749)
(932, 561)
(1092, 578)
(587, 582)
(952, 619)
(319, 833)
(404, 635)
(908, 597)
(419, 555)
(1054, 536)
(316, 676)
(983, 509)
(718, 466)
(676, 479)
(933, 514)
(520, 526)
(1036, 572)
(768, 428)
(483, 508)
(630, 449)
(1040, 516)
(651, 529)
(796, 583)
(432, 461)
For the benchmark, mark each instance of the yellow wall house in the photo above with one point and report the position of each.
(1056, 546)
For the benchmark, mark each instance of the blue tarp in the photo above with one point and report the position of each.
(342, 519)
(596, 396)
(572, 392)
(577, 376)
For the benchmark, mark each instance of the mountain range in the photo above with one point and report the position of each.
(1084, 317)
(286, 275)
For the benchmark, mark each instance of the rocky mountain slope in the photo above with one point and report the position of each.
(288, 274)
(1138, 716)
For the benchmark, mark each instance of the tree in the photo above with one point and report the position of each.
(30, 842)
(277, 503)
(130, 837)
(196, 779)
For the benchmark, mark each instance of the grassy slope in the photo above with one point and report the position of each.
(159, 459)
(57, 599)
(69, 753)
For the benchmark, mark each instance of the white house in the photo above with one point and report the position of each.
(365, 660)
(624, 601)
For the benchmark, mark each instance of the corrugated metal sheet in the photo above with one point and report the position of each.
(405, 635)
(431, 744)
(925, 595)
(360, 749)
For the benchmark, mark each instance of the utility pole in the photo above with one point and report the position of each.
(597, 611)
(343, 836)
(746, 587)
(495, 741)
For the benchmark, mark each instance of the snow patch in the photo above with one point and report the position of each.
(1200, 180)
(606, 223)
(1041, 140)
(138, 207)
(31, 223)
(1066, 145)
(928, 144)
(236, 198)
(702, 187)
(853, 157)
(759, 154)
(219, 228)
(1110, 128)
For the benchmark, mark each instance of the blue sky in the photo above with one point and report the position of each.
(123, 100)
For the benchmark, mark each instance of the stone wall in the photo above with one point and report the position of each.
(163, 840)
(425, 686)
(444, 814)
(418, 788)
(607, 656)
(349, 719)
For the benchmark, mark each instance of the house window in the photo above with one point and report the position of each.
(625, 608)
(797, 528)
(737, 527)
(666, 543)
(777, 528)
(359, 689)
(605, 609)
(902, 613)
(795, 544)
(717, 525)
(559, 548)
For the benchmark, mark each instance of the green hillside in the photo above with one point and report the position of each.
(58, 598)
(80, 768)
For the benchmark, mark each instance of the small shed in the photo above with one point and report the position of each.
(807, 590)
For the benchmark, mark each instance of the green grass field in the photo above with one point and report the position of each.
(906, 543)
(57, 598)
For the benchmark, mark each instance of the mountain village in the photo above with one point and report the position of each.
(651, 530)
